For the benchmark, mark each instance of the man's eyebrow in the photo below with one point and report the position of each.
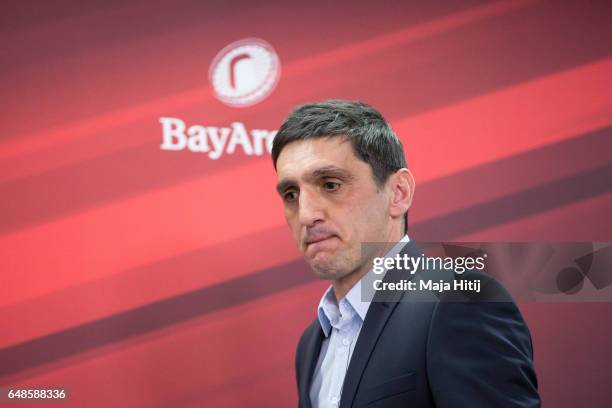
(284, 185)
(332, 171)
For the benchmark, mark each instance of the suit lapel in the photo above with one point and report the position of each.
(311, 351)
(379, 312)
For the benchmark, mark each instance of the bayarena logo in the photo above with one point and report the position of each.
(245, 72)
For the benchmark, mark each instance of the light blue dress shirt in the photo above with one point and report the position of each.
(341, 323)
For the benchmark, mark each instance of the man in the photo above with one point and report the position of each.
(343, 180)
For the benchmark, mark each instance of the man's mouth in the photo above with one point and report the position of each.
(317, 243)
(317, 239)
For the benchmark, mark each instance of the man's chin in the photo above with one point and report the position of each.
(327, 270)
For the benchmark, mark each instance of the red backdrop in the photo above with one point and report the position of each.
(136, 276)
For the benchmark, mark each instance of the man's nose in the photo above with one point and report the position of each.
(311, 208)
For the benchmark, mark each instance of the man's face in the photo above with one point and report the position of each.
(332, 204)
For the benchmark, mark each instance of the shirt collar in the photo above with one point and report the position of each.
(328, 303)
(328, 298)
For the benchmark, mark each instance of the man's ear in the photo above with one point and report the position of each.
(401, 184)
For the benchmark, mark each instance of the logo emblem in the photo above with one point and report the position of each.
(245, 72)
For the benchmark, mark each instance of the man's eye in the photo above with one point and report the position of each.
(290, 196)
(331, 186)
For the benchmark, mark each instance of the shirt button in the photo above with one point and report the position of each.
(346, 341)
(335, 400)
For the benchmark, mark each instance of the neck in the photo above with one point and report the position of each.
(341, 286)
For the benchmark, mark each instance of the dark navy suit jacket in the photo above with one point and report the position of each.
(433, 354)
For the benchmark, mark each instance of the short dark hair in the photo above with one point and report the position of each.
(371, 137)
